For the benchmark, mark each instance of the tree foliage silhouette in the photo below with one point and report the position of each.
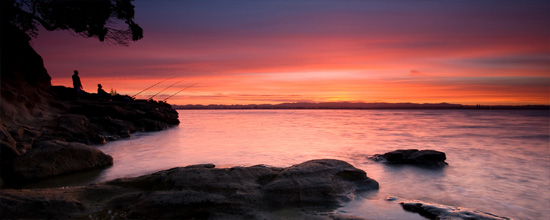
(101, 19)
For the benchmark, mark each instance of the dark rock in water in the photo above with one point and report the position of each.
(320, 182)
(437, 211)
(198, 192)
(428, 158)
(208, 165)
(50, 158)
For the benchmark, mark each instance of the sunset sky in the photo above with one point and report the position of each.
(251, 52)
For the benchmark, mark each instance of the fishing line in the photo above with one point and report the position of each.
(151, 86)
(179, 91)
(165, 89)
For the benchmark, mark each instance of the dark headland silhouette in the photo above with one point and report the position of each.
(361, 105)
(45, 131)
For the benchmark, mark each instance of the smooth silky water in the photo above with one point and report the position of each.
(499, 160)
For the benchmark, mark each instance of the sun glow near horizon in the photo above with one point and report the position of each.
(357, 51)
(258, 90)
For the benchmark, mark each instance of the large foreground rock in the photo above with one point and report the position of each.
(198, 192)
(50, 158)
(426, 158)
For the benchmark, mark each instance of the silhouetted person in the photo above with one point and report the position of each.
(77, 84)
(102, 94)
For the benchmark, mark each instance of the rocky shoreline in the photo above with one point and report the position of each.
(60, 142)
(310, 190)
(47, 131)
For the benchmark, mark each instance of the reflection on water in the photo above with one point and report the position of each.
(498, 160)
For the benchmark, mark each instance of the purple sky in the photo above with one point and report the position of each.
(470, 52)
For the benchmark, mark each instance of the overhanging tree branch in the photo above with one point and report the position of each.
(88, 18)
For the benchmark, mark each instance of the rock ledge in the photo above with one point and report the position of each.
(198, 192)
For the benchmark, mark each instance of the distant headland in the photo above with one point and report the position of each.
(362, 105)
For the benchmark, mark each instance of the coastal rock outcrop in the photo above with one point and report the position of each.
(199, 192)
(35, 116)
(426, 158)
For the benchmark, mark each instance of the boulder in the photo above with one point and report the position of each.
(426, 158)
(50, 158)
(200, 192)
(437, 211)
(317, 182)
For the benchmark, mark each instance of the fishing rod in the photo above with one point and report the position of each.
(165, 89)
(151, 86)
(179, 92)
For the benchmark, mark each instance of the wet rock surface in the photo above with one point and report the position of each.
(437, 211)
(424, 158)
(200, 192)
(50, 158)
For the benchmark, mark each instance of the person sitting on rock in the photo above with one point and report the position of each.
(102, 94)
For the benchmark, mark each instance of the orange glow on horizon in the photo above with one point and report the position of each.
(361, 51)
(244, 90)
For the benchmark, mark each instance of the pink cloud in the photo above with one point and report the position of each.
(360, 51)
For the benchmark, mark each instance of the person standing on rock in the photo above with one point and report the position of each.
(77, 84)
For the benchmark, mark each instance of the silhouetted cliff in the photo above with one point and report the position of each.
(44, 131)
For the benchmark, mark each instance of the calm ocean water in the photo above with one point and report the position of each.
(499, 160)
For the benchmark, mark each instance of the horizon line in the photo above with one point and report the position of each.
(357, 105)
